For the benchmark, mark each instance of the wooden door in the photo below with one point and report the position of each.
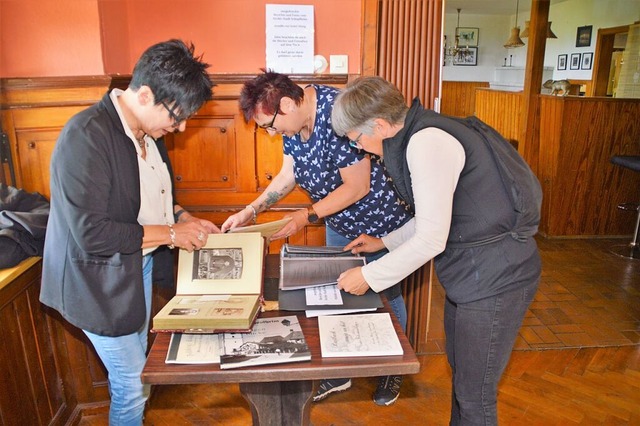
(268, 156)
(203, 156)
(35, 148)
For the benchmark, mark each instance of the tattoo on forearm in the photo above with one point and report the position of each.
(272, 198)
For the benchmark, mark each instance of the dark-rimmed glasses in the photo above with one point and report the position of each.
(177, 119)
(356, 142)
(269, 127)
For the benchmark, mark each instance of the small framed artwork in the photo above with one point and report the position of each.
(587, 59)
(468, 57)
(575, 61)
(467, 36)
(562, 62)
(583, 36)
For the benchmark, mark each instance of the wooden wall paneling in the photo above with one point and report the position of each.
(33, 134)
(582, 188)
(18, 404)
(203, 156)
(501, 110)
(40, 91)
(410, 61)
(416, 292)
(551, 112)
(32, 391)
(88, 374)
(459, 97)
(35, 148)
(8, 165)
(268, 156)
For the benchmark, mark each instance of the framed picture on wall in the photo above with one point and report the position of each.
(562, 62)
(587, 59)
(583, 36)
(575, 61)
(468, 56)
(467, 36)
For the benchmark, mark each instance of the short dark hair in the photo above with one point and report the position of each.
(174, 74)
(265, 92)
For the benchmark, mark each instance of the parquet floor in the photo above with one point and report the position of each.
(577, 360)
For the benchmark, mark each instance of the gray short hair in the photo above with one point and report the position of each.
(364, 100)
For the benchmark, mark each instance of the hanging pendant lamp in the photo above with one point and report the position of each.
(514, 38)
(525, 32)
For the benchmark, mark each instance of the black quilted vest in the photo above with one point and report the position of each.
(496, 207)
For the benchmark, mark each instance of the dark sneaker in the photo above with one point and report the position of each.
(329, 386)
(388, 390)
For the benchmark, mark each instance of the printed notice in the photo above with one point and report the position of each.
(290, 38)
(323, 295)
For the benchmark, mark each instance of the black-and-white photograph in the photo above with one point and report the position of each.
(587, 59)
(575, 61)
(468, 56)
(562, 62)
(217, 264)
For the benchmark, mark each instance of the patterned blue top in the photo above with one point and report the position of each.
(316, 165)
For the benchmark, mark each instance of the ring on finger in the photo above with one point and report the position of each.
(201, 236)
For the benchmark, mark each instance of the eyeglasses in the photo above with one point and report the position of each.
(355, 142)
(177, 119)
(269, 127)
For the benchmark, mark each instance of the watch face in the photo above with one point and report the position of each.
(312, 216)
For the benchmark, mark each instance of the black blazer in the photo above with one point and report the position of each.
(92, 263)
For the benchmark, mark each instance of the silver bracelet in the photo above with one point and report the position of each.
(255, 212)
(172, 235)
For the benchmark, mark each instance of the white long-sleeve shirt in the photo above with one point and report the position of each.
(435, 160)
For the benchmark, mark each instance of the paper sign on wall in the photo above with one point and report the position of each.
(290, 38)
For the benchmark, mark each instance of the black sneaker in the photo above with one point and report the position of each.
(330, 386)
(388, 390)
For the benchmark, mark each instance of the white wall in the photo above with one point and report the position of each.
(491, 34)
(566, 17)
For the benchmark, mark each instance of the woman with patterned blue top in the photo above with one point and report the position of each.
(350, 191)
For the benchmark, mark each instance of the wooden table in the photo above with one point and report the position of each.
(280, 394)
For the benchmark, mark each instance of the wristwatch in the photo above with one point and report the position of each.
(312, 215)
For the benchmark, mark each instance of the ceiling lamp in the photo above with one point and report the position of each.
(525, 32)
(514, 38)
(457, 53)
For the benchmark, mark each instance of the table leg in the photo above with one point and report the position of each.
(279, 403)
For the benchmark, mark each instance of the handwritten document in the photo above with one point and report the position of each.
(358, 335)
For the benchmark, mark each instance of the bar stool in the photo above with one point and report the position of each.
(631, 250)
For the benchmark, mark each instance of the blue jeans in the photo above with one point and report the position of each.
(480, 337)
(124, 358)
(397, 304)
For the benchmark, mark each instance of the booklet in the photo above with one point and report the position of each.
(308, 266)
(273, 340)
(193, 349)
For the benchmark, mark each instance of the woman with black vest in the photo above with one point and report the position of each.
(476, 208)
